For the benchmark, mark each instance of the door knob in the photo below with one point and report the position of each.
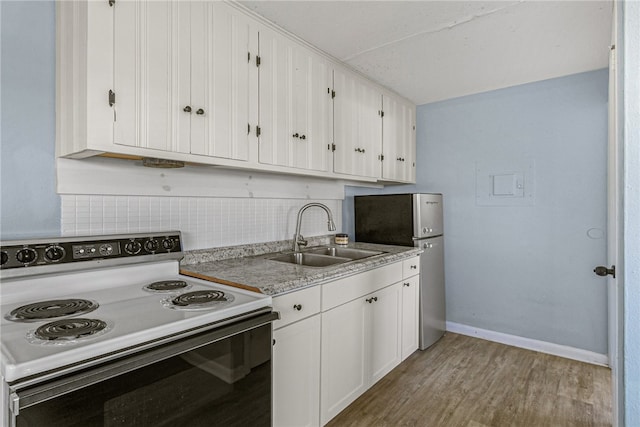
(601, 270)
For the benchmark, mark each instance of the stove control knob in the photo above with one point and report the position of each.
(132, 247)
(168, 244)
(54, 253)
(4, 259)
(151, 245)
(26, 256)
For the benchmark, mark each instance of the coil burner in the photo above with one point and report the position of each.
(44, 310)
(167, 286)
(70, 329)
(199, 300)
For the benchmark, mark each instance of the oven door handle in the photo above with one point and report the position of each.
(20, 399)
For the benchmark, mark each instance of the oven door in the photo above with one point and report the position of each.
(221, 377)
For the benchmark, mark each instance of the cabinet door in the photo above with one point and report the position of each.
(410, 307)
(357, 126)
(276, 115)
(385, 308)
(312, 132)
(296, 374)
(398, 139)
(220, 80)
(295, 104)
(344, 375)
(152, 74)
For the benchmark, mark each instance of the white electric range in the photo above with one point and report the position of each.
(85, 313)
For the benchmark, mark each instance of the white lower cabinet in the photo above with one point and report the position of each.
(344, 348)
(296, 359)
(410, 306)
(336, 340)
(361, 321)
(296, 374)
(410, 315)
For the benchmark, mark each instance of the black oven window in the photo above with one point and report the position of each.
(226, 383)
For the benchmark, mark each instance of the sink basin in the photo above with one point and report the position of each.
(310, 260)
(350, 253)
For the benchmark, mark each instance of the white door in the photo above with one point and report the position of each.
(220, 80)
(410, 315)
(313, 112)
(152, 74)
(296, 374)
(276, 108)
(614, 240)
(357, 126)
(385, 308)
(344, 376)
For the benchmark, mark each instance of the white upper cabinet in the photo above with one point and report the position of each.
(182, 77)
(295, 106)
(209, 82)
(398, 139)
(357, 125)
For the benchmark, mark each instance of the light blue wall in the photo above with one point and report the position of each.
(514, 269)
(29, 205)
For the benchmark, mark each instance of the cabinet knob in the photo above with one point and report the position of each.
(413, 267)
(187, 109)
(303, 137)
(200, 111)
(371, 300)
(295, 135)
(407, 284)
(297, 307)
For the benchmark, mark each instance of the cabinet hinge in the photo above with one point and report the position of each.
(112, 98)
(333, 147)
(333, 94)
(112, 2)
(381, 157)
(257, 130)
(248, 56)
(381, 113)
(257, 61)
(248, 128)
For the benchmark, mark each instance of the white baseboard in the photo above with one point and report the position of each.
(531, 344)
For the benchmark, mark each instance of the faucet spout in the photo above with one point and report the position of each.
(298, 240)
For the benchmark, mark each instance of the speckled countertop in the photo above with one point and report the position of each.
(249, 266)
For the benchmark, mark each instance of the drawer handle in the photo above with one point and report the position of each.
(370, 300)
(297, 307)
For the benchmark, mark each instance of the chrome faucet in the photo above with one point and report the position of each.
(298, 240)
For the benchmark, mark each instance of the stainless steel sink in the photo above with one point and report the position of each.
(310, 260)
(324, 256)
(350, 253)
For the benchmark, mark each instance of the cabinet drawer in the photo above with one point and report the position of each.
(352, 287)
(411, 266)
(296, 306)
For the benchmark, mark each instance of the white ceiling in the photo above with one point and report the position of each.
(434, 50)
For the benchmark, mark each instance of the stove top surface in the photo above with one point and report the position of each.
(127, 313)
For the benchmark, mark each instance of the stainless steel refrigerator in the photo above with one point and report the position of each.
(411, 220)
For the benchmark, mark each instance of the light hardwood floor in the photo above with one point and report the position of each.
(469, 382)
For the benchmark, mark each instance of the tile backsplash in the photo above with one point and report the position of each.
(205, 222)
